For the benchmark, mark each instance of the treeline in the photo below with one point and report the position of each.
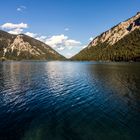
(126, 49)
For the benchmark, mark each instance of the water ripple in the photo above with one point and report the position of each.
(69, 101)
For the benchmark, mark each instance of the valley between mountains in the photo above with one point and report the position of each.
(120, 43)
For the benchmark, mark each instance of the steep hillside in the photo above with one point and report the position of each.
(120, 43)
(22, 47)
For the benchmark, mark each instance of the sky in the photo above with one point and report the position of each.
(67, 26)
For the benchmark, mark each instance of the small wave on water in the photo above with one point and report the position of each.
(69, 101)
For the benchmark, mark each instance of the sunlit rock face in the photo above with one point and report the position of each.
(19, 45)
(120, 43)
(23, 47)
(118, 32)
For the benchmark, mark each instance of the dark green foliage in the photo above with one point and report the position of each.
(126, 49)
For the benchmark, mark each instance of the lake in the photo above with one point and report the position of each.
(69, 101)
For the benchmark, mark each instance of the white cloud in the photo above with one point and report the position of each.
(21, 8)
(71, 42)
(91, 38)
(58, 41)
(61, 43)
(68, 55)
(14, 28)
(31, 34)
(41, 38)
(16, 31)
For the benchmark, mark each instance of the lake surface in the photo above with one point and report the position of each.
(69, 101)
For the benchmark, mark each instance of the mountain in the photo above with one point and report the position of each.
(120, 43)
(23, 47)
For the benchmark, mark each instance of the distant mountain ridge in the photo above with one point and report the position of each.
(120, 43)
(23, 47)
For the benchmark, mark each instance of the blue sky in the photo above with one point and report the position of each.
(66, 25)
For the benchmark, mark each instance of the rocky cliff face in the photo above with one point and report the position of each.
(19, 45)
(22, 47)
(116, 43)
(118, 32)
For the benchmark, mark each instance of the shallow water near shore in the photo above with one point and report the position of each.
(69, 101)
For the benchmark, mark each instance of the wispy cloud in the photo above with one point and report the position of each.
(31, 34)
(21, 8)
(67, 29)
(16, 31)
(60, 48)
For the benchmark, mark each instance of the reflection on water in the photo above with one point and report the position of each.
(69, 101)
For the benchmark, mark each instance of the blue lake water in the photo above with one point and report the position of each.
(69, 101)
